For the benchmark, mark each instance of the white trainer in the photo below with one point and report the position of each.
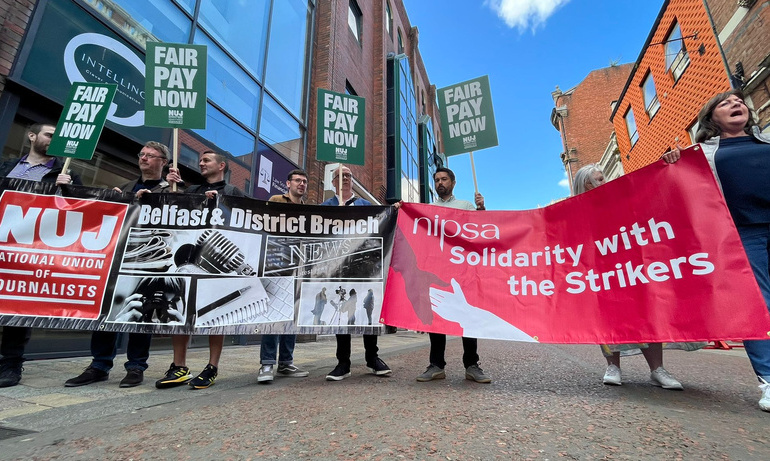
(764, 402)
(266, 374)
(612, 376)
(661, 377)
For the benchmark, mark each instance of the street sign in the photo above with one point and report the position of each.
(340, 127)
(467, 116)
(175, 85)
(82, 120)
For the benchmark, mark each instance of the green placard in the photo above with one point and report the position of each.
(340, 128)
(82, 120)
(467, 116)
(175, 85)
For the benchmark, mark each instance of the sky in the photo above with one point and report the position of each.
(527, 47)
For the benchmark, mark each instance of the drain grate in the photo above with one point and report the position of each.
(9, 433)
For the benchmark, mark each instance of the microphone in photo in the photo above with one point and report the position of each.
(212, 253)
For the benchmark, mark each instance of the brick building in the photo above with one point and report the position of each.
(581, 115)
(742, 28)
(683, 63)
(375, 56)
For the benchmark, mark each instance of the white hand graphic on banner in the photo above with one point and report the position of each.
(475, 322)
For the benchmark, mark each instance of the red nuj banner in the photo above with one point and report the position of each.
(650, 257)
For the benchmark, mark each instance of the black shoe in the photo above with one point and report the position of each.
(339, 373)
(10, 374)
(175, 376)
(134, 377)
(206, 378)
(89, 376)
(379, 368)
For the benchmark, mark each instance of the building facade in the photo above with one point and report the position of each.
(680, 67)
(265, 63)
(581, 115)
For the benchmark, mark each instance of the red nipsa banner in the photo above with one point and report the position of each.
(650, 257)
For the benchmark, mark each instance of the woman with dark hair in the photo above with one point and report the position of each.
(587, 178)
(739, 156)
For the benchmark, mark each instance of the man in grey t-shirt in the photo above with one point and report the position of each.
(444, 180)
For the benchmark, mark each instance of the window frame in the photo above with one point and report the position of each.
(676, 63)
(653, 105)
(633, 137)
(355, 15)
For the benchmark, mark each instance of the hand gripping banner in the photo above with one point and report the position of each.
(650, 257)
(85, 258)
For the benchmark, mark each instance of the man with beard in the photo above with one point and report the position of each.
(271, 344)
(37, 165)
(444, 180)
(152, 159)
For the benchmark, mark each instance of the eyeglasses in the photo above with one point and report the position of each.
(344, 176)
(300, 180)
(144, 154)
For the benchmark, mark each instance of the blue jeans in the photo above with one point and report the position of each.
(755, 241)
(104, 348)
(268, 349)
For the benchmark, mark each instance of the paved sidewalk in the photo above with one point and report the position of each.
(41, 402)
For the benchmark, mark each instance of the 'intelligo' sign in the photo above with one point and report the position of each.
(96, 58)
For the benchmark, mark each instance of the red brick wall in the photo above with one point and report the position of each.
(587, 126)
(680, 101)
(14, 17)
(339, 57)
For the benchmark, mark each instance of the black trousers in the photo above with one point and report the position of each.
(438, 345)
(14, 342)
(344, 344)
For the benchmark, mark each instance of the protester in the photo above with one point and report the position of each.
(588, 178)
(272, 344)
(444, 180)
(153, 158)
(739, 156)
(213, 167)
(37, 165)
(375, 364)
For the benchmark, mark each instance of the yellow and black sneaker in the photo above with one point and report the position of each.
(206, 378)
(175, 376)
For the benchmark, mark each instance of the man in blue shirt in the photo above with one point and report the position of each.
(37, 165)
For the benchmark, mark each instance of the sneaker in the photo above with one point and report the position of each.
(134, 377)
(379, 368)
(10, 374)
(265, 374)
(338, 374)
(661, 377)
(291, 371)
(612, 376)
(764, 402)
(89, 376)
(175, 376)
(206, 378)
(431, 373)
(475, 373)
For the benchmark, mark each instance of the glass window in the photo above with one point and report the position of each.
(285, 74)
(400, 42)
(188, 5)
(280, 130)
(241, 29)
(693, 130)
(224, 136)
(389, 19)
(633, 136)
(355, 18)
(229, 86)
(677, 58)
(145, 21)
(651, 103)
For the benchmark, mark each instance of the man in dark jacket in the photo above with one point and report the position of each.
(152, 159)
(213, 167)
(37, 165)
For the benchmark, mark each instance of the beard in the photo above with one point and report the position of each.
(40, 146)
